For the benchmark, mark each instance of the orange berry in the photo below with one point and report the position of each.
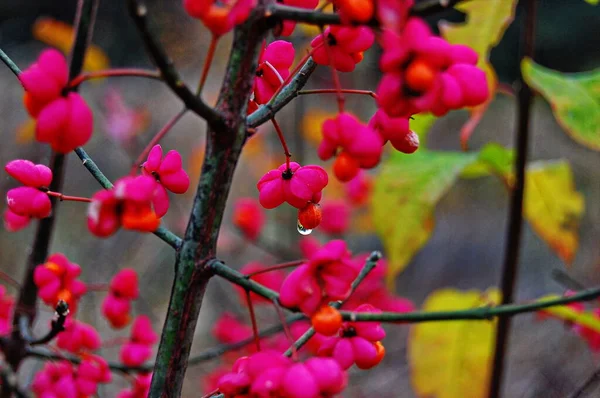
(55, 268)
(32, 107)
(357, 10)
(327, 321)
(419, 75)
(310, 215)
(345, 167)
(144, 219)
(380, 351)
(65, 295)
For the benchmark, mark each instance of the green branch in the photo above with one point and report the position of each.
(370, 264)
(289, 92)
(163, 233)
(9, 62)
(481, 313)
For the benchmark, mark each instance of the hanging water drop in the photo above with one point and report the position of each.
(302, 230)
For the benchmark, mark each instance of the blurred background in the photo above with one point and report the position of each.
(465, 251)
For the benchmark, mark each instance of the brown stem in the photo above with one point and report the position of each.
(514, 233)
(67, 198)
(336, 91)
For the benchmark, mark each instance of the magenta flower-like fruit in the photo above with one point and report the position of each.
(357, 343)
(273, 68)
(139, 347)
(296, 186)
(169, 174)
(346, 45)
(327, 276)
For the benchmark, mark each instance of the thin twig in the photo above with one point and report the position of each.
(163, 233)
(57, 325)
(9, 62)
(515, 222)
(150, 74)
(288, 92)
(163, 62)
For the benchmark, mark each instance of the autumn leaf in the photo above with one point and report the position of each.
(553, 207)
(575, 100)
(60, 35)
(452, 359)
(312, 124)
(485, 25)
(405, 194)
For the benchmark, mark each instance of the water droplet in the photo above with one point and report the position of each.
(302, 230)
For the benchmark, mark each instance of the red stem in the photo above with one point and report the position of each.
(62, 197)
(286, 329)
(208, 62)
(336, 91)
(336, 79)
(151, 74)
(288, 264)
(155, 140)
(98, 287)
(253, 319)
(286, 151)
(8, 279)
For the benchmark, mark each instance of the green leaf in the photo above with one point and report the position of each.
(421, 123)
(592, 2)
(404, 197)
(575, 100)
(493, 159)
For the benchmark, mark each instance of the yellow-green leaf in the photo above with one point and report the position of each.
(421, 123)
(575, 100)
(404, 197)
(553, 207)
(452, 359)
(485, 25)
(592, 2)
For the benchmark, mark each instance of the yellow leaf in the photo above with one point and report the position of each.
(453, 359)
(26, 132)
(60, 35)
(486, 22)
(553, 207)
(312, 123)
(569, 314)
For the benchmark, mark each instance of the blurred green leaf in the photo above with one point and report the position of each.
(592, 2)
(575, 100)
(404, 197)
(493, 159)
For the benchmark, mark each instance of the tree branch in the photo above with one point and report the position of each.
(268, 111)
(515, 222)
(57, 326)
(223, 148)
(163, 62)
(278, 12)
(163, 233)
